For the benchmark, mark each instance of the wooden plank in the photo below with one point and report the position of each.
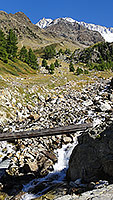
(44, 132)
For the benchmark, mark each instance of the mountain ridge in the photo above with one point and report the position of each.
(29, 34)
(107, 33)
(65, 27)
(68, 33)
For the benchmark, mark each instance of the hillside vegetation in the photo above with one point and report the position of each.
(63, 63)
(98, 57)
(16, 68)
(95, 54)
(13, 61)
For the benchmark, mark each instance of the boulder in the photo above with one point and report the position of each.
(105, 106)
(92, 158)
(111, 83)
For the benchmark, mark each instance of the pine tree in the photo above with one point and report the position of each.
(79, 71)
(71, 67)
(61, 52)
(67, 51)
(49, 52)
(3, 53)
(32, 60)
(11, 45)
(56, 63)
(23, 54)
(2, 39)
(44, 63)
(51, 68)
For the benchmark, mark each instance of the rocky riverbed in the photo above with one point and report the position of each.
(35, 158)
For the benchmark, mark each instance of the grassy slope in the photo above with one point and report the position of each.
(31, 77)
(16, 68)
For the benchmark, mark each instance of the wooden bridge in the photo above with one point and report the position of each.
(44, 132)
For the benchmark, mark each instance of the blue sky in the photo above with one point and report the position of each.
(91, 11)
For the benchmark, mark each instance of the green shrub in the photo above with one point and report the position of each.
(56, 63)
(86, 71)
(44, 63)
(91, 66)
(71, 67)
(49, 52)
(51, 68)
(3, 55)
(67, 51)
(61, 52)
(79, 71)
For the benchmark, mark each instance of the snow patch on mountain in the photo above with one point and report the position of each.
(44, 22)
(68, 19)
(107, 33)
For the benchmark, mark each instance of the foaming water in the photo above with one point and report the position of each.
(52, 179)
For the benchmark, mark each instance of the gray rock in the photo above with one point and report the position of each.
(111, 83)
(105, 106)
(92, 158)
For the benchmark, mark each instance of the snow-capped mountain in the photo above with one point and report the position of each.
(107, 33)
(44, 22)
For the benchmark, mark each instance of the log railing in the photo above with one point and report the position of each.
(44, 132)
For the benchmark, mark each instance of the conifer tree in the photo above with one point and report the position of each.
(49, 52)
(3, 53)
(11, 46)
(44, 63)
(67, 51)
(32, 60)
(23, 54)
(2, 39)
(56, 63)
(71, 67)
(51, 68)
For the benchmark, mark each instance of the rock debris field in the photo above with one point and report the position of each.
(61, 106)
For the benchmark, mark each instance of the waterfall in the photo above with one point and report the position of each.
(57, 176)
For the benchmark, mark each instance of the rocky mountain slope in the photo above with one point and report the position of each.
(74, 31)
(107, 33)
(62, 31)
(21, 24)
(28, 33)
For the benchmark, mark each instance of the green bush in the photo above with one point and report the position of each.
(71, 67)
(49, 52)
(56, 63)
(61, 52)
(67, 51)
(79, 71)
(44, 63)
(3, 55)
(86, 71)
(51, 68)
(91, 66)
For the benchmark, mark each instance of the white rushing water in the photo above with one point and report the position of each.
(57, 176)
